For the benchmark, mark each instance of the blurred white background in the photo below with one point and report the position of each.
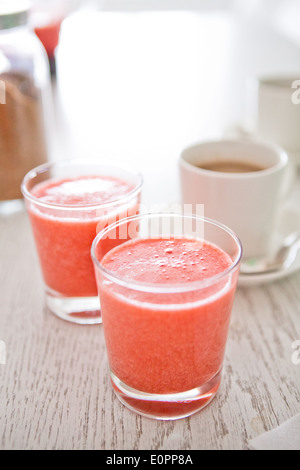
(137, 80)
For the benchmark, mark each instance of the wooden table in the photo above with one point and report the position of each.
(55, 391)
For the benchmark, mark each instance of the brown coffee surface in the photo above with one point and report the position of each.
(227, 166)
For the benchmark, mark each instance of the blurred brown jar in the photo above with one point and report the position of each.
(24, 101)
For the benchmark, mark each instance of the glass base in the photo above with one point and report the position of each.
(81, 310)
(11, 207)
(166, 406)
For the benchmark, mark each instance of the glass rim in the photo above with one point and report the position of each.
(34, 172)
(166, 287)
(277, 150)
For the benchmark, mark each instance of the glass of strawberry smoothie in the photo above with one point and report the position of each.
(68, 203)
(166, 297)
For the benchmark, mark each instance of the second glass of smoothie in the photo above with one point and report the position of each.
(166, 297)
(68, 202)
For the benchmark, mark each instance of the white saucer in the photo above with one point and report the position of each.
(289, 222)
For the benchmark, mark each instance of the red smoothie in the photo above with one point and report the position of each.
(64, 230)
(165, 342)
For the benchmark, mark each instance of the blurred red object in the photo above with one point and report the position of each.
(49, 35)
(46, 24)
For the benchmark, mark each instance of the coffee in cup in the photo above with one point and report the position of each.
(229, 166)
(240, 183)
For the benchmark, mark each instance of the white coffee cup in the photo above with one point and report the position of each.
(277, 111)
(248, 202)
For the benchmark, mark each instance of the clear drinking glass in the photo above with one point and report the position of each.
(166, 339)
(64, 230)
